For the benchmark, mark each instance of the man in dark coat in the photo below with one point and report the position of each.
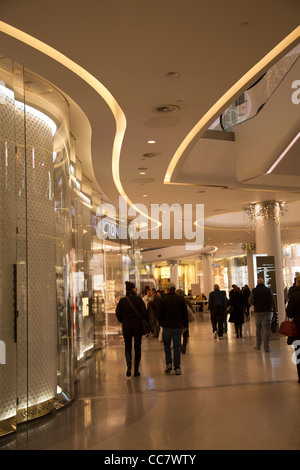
(217, 304)
(292, 288)
(237, 303)
(263, 301)
(293, 311)
(130, 312)
(173, 318)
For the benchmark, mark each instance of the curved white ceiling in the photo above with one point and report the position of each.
(229, 97)
(240, 220)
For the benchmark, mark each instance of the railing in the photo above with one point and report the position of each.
(252, 100)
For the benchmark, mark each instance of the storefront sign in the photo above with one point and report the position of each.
(136, 222)
(38, 410)
(107, 230)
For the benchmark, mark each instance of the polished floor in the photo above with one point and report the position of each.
(229, 396)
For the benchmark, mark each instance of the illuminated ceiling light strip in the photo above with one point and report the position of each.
(116, 110)
(86, 76)
(283, 154)
(227, 97)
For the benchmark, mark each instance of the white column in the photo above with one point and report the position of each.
(288, 262)
(250, 249)
(174, 273)
(207, 273)
(198, 274)
(268, 241)
(137, 266)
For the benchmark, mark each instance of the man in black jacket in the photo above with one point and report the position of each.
(173, 317)
(217, 304)
(263, 301)
(292, 288)
(131, 312)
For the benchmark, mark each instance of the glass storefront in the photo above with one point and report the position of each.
(226, 271)
(291, 264)
(60, 282)
(159, 276)
(229, 271)
(35, 327)
(98, 278)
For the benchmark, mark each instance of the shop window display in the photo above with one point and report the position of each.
(35, 246)
(59, 282)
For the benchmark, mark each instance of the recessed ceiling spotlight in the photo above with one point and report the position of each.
(172, 75)
(244, 24)
(142, 168)
(151, 154)
(151, 142)
(145, 195)
(143, 173)
(166, 108)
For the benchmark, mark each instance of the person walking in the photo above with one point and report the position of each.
(186, 332)
(131, 312)
(237, 303)
(293, 311)
(246, 294)
(153, 307)
(147, 298)
(292, 288)
(217, 304)
(263, 301)
(173, 318)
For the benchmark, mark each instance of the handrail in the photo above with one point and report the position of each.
(252, 100)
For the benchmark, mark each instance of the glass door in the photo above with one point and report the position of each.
(12, 244)
(21, 267)
(36, 322)
(45, 348)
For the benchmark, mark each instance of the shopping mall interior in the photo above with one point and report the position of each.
(147, 142)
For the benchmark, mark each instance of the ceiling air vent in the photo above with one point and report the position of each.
(151, 154)
(166, 109)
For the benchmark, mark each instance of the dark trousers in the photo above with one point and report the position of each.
(185, 338)
(168, 335)
(238, 330)
(137, 336)
(217, 320)
(298, 371)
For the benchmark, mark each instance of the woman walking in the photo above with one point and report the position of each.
(237, 303)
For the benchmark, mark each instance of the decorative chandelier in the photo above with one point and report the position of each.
(270, 210)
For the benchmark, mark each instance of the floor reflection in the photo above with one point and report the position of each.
(225, 382)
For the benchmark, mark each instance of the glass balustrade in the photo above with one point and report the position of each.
(252, 100)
